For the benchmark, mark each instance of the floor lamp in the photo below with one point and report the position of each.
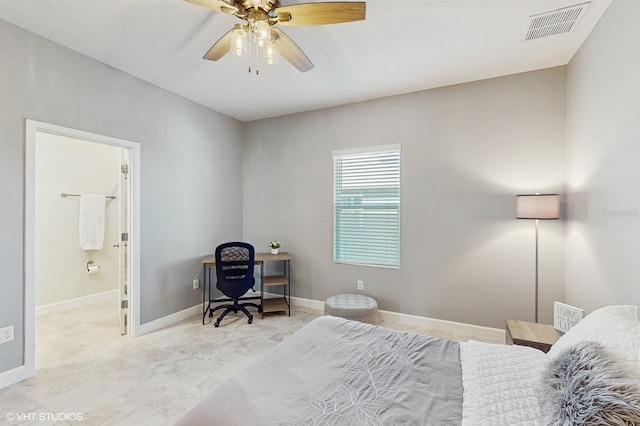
(538, 207)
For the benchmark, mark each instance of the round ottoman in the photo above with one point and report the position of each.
(352, 306)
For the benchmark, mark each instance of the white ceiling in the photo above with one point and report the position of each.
(403, 46)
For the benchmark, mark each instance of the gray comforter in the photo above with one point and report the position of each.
(340, 372)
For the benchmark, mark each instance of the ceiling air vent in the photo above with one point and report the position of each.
(555, 22)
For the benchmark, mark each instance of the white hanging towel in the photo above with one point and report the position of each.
(91, 222)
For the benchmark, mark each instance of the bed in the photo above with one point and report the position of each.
(341, 372)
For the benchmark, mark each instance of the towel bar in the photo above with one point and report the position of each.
(64, 194)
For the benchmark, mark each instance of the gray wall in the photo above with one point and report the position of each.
(467, 150)
(191, 159)
(603, 163)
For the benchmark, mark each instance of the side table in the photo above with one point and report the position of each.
(523, 333)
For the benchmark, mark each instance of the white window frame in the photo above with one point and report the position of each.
(362, 250)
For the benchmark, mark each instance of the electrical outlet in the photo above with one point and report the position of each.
(196, 283)
(360, 285)
(6, 334)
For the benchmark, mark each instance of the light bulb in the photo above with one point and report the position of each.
(239, 42)
(261, 32)
(270, 53)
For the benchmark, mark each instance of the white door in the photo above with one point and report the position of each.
(123, 246)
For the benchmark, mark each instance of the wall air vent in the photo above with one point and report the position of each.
(555, 22)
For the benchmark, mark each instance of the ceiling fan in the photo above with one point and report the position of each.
(261, 18)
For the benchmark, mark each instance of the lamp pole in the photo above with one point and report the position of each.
(538, 206)
(536, 316)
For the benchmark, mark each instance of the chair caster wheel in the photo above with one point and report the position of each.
(217, 324)
(250, 320)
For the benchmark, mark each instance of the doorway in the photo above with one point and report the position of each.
(91, 273)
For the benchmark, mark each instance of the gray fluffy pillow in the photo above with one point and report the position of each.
(586, 385)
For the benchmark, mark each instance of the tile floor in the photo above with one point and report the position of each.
(87, 371)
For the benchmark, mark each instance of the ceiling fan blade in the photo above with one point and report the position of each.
(321, 13)
(290, 51)
(217, 5)
(220, 48)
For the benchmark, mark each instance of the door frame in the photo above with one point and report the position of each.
(124, 191)
(32, 127)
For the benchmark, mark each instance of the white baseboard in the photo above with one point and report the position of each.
(18, 374)
(451, 326)
(406, 319)
(163, 322)
(308, 303)
(72, 303)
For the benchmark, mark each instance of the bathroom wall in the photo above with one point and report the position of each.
(73, 166)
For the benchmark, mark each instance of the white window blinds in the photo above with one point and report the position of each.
(366, 216)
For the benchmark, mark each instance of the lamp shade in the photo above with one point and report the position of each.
(538, 206)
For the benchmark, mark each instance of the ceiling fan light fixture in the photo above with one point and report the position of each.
(239, 41)
(261, 19)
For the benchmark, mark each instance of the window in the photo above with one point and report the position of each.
(366, 215)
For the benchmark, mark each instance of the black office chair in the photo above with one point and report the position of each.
(234, 272)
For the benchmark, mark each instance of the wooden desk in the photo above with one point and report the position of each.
(276, 304)
(523, 333)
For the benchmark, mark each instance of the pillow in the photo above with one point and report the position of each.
(586, 385)
(616, 327)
